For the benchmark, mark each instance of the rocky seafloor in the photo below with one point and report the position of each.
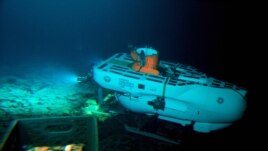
(53, 92)
(42, 94)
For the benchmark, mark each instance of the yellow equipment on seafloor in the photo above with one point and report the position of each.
(69, 147)
(68, 133)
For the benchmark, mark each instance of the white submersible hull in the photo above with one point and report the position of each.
(179, 94)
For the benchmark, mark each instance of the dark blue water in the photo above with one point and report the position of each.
(72, 33)
(75, 31)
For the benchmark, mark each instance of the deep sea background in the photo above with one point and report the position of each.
(213, 36)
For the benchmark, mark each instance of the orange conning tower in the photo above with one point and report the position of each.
(145, 60)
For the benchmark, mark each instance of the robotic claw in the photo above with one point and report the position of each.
(84, 78)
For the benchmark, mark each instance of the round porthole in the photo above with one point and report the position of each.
(107, 79)
(220, 100)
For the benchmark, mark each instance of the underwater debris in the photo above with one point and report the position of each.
(69, 147)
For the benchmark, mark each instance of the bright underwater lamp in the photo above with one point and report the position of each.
(71, 78)
(68, 78)
(64, 76)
